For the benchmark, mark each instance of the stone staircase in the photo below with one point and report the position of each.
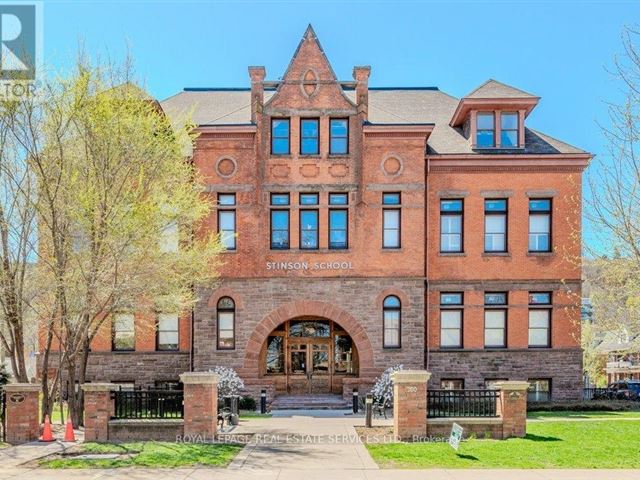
(310, 402)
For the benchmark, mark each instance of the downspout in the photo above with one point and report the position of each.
(426, 264)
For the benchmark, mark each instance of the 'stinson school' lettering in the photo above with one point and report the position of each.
(309, 266)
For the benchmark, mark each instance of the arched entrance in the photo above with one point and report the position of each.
(309, 355)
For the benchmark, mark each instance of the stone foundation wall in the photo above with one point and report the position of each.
(562, 366)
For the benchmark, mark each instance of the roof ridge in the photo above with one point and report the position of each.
(499, 83)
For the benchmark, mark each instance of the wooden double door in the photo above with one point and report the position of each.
(310, 368)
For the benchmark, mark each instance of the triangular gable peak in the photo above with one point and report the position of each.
(309, 81)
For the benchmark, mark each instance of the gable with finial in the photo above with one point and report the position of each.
(309, 81)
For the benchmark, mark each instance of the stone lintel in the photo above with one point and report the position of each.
(202, 378)
(410, 376)
(98, 387)
(21, 387)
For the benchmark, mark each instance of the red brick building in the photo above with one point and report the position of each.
(369, 227)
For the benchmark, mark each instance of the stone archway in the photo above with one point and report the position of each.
(306, 308)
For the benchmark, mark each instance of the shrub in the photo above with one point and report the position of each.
(4, 374)
(248, 403)
(230, 382)
(584, 406)
(383, 389)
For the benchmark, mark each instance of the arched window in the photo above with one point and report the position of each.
(391, 322)
(226, 324)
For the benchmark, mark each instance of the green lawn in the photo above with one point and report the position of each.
(552, 444)
(244, 414)
(150, 454)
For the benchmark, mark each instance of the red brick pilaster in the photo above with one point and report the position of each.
(200, 404)
(410, 403)
(22, 412)
(512, 407)
(98, 408)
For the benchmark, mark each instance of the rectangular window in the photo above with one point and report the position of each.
(451, 328)
(338, 228)
(495, 225)
(391, 221)
(452, 384)
(338, 221)
(309, 136)
(170, 238)
(485, 130)
(226, 330)
(539, 328)
(308, 199)
(309, 229)
(451, 215)
(539, 390)
(539, 298)
(540, 225)
(509, 129)
(279, 222)
(339, 136)
(447, 299)
(280, 132)
(124, 332)
(495, 321)
(227, 220)
(167, 331)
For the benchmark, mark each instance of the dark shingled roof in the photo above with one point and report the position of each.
(386, 106)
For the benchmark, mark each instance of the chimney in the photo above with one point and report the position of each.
(257, 75)
(361, 76)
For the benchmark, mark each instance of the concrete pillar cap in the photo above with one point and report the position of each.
(410, 376)
(21, 387)
(203, 378)
(98, 387)
(511, 385)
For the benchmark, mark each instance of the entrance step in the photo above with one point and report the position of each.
(310, 402)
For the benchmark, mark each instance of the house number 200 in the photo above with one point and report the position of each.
(412, 389)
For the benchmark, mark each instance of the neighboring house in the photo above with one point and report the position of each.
(368, 227)
(622, 354)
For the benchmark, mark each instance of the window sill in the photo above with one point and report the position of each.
(315, 250)
(541, 254)
(452, 254)
(391, 250)
(310, 156)
(496, 254)
(235, 250)
(540, 347)
(340, 156)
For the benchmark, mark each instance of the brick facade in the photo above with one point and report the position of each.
(419, 143)
(22, 414)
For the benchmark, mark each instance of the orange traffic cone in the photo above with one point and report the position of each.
(68, 433)
(47, 436)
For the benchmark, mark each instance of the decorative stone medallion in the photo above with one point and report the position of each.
(339, 170)
(226, 167)
(392, 165)
(16, 398)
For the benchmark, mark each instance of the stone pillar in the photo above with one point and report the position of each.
(410, 403)
(512, 407)
(200, 404)
(98, 408)
(22, 415)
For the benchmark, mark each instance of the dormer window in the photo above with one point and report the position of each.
(508, 129)
(485, 130)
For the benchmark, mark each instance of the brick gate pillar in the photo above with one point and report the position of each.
(200, 404)
(410, 403)
(22, 415)
(98, 408)
(512, 407)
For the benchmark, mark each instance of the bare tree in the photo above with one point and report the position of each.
(614, 206)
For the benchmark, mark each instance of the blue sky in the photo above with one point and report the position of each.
(558, 50)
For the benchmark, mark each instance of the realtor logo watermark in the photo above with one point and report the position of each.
(21, 63)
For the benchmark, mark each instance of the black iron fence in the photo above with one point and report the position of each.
(148, 404)
(462, 403)
(609, 394)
